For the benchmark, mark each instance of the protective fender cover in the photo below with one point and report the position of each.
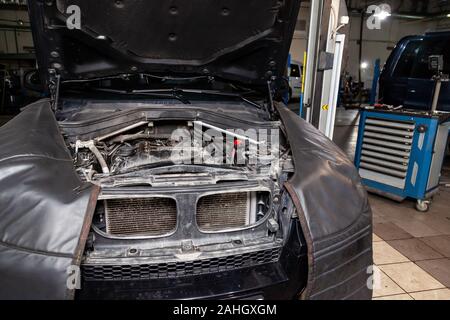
(45, 209)
(334, 213)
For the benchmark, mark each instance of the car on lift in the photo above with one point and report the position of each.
(406, 78)
(163, 166)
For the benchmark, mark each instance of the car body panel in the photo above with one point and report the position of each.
(337, 233)
(47, 211)
(405, 79)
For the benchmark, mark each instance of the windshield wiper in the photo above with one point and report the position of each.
(127, 76)
(198, 91)
(167, 94)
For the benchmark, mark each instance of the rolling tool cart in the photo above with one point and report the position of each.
(399, 154)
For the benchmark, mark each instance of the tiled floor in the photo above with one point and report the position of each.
(411, 249)
(413, 257)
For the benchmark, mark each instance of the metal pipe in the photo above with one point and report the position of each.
(312, 54)
(230, 133)
(141, 123)
(437, 93)
(361, 34)
(91, 146)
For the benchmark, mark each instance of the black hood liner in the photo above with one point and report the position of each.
(246, 41)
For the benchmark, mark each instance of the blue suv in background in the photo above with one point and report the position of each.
(406, 79)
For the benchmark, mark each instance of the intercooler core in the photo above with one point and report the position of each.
(140, 217)
(224, 211)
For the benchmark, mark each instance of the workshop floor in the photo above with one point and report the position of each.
(411, 249)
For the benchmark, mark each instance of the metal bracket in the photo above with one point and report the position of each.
(326, 61)
(54, 85)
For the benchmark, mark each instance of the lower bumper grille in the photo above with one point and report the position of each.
(178, 269)
(147, 216)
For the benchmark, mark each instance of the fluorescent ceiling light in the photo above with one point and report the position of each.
(383, 15)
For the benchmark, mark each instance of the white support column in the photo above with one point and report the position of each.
(312, 54)
(328, 116)
(331, 78)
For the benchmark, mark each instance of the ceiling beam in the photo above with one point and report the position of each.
(11, 6)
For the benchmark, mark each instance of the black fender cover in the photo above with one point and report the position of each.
(45, 209)
(334, 214)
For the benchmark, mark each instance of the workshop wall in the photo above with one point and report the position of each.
(15, 36)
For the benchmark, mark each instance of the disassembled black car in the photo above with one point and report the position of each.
(88, 179)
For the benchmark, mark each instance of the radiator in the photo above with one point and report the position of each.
(225, 211)
(136, 217)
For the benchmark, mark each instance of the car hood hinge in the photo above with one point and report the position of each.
(54, 83)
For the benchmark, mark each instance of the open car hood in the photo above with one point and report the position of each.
(244, 41)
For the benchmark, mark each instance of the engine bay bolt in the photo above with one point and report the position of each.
(132, 251)
(173, 10)
(237, 242)
(273, 225)
(57, 65)
(119, 3)
(172, 37)
(225, 12)
(187, 245)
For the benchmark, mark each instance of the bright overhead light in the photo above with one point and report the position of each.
(364, 65)
(448, 15)
(382, 15)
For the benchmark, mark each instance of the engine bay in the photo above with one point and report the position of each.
(180, 189)
(153, 145)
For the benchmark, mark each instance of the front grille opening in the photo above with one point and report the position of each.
(140, 217)
(236, 210)
(178, 269)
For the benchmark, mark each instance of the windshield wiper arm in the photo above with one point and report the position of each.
(199, 91)
(161, 94)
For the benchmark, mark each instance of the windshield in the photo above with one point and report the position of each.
(414, 61)
(184, 90)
